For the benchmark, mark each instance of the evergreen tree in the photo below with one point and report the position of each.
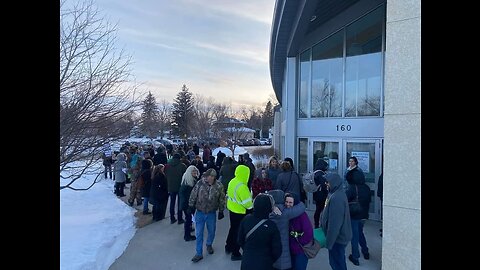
(267, 119)
(150, 118)
(182, 113)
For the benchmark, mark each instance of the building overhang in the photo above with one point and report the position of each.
(292, 21)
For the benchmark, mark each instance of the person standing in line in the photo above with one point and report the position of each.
(273, 169)
(120, 169)
(146, 175)
(239, 201)
(263, 246)
(134, 170)
(107, 160)
(251, 166)
(301, 233)
(352, 169)
(288, 180)
(261, 183)
(206, 198)
(358, 189)
(335, 222)
(189, 180)
(227, 171)
(321, 194)
(380, 195)
(159, 193)
(174, 172)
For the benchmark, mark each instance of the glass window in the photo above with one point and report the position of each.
(327, 77)
(304, 84)
(302, 155)
(364, 65)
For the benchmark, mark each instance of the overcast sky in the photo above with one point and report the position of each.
(218, 48)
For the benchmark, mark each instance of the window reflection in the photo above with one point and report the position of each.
(364, 66)
(304, 83)
(323, 75)
(327, 58)
(302, 155)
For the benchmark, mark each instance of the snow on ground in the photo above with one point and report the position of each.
(95, 226)
(238, 151)
(259, 161)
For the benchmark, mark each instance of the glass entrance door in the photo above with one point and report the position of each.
(336, 153)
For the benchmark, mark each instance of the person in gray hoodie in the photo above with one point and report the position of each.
(335, 222)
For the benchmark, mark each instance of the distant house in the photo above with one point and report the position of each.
(233, 129)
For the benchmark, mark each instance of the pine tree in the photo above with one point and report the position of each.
(182, 113)
(150, 119)
(267, 119)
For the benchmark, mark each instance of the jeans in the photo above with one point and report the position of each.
(299, 261)
(109, 169)
(145, 204)
(358, 238)
(173, 197)
(200, 219)
(336, 257)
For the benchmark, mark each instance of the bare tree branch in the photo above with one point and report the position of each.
(96, 96)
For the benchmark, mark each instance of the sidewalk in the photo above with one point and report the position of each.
(160, 245)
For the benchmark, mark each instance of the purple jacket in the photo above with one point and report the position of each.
(300, 224)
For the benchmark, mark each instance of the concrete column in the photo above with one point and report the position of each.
(402, 164)
(289, 107)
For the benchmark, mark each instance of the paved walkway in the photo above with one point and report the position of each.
(160, 245)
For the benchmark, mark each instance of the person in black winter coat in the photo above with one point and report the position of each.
(211, 164)
(357, 187)
(321, 194)
(196, 149)
(263, 246)
(159, 193)
(220, 157)
(160, 157)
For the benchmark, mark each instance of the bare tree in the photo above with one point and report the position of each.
(165, 110)
(203, 110)
(230, 130)
(220, 111)
(95, 101)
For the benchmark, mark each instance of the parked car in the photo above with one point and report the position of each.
(264, 141)
(165, 142)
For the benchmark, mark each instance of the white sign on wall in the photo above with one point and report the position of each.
(363, 160)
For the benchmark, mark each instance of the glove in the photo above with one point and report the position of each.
(220, 215)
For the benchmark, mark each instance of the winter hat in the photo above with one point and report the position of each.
(262, 205)
(321, 165)
(209, 172)
(246, 156)
(176, 156)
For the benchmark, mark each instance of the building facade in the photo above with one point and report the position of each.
(347, 76)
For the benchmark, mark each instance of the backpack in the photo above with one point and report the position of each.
(308, 180)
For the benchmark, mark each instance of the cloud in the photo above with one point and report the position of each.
(254, 55)
(258, 11)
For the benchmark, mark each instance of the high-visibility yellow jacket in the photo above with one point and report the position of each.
(239, 197)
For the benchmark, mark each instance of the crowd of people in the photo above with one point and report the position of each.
(266, 206)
